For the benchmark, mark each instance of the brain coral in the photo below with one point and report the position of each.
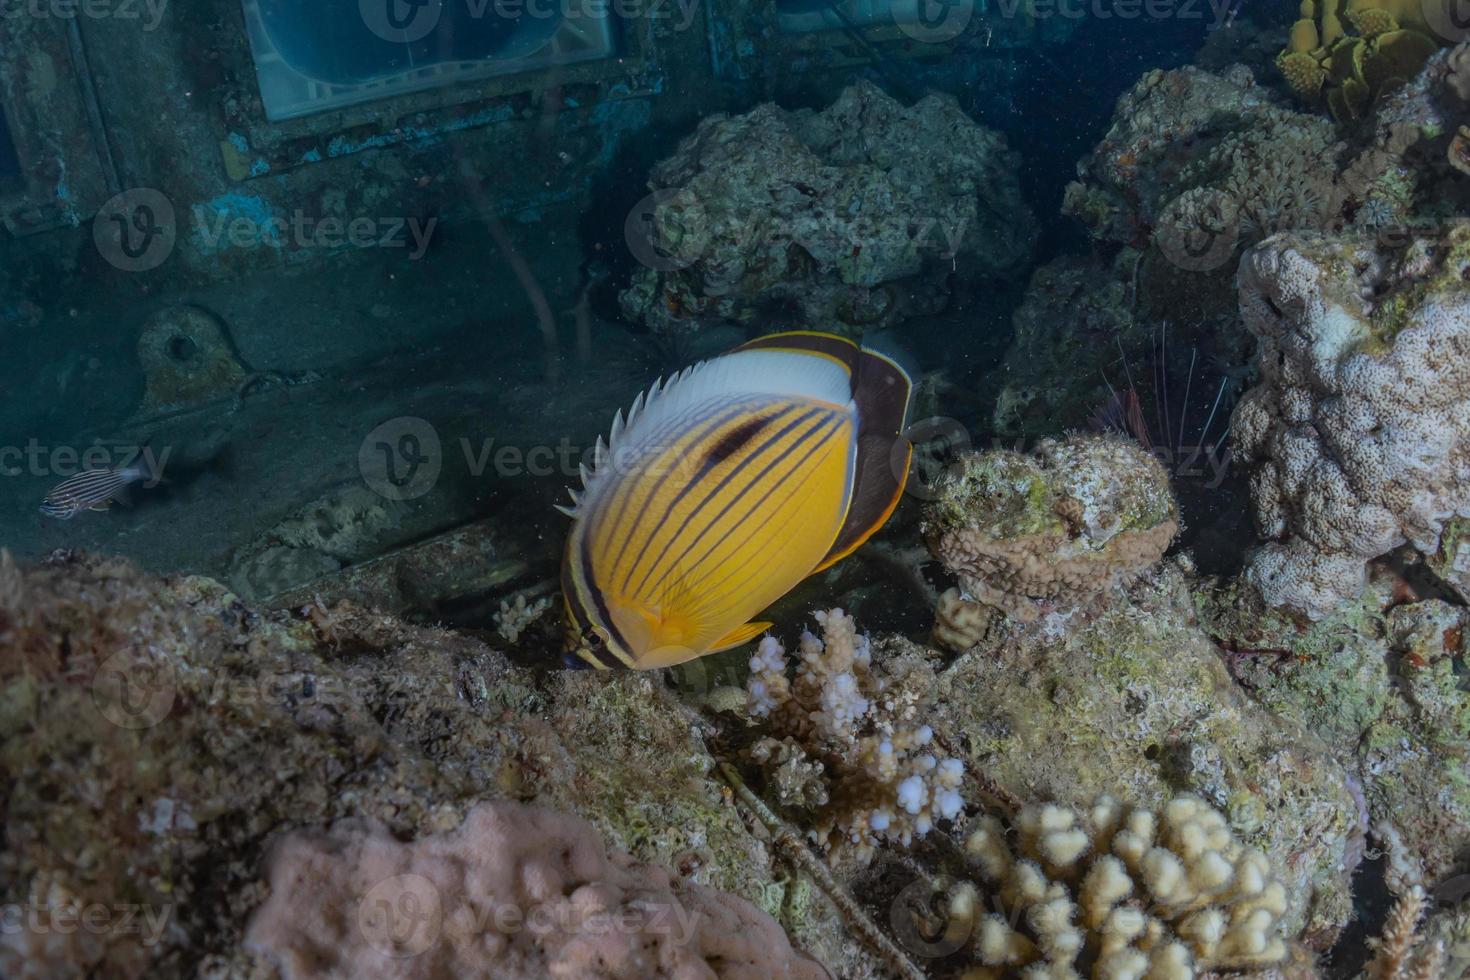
(1359, 432)
(851, 217)
(1076, 518)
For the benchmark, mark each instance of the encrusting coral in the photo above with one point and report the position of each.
(1136, 700)
(1120, 893)
(853, 735)
(514, 892)
(1027, 533)
(1359, 433)
(853, 217)
(1381, 681)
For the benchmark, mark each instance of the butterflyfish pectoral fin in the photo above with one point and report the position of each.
(739, 635)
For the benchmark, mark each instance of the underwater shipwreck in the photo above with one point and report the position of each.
(804, 489)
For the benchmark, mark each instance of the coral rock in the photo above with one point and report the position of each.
(852, 217)
(1070, 522)
(1130, 890)
(1359, 432)
(514, 892)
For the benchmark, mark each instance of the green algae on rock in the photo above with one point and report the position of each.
(1137, 703)
(1061, 525)
(1382, 684)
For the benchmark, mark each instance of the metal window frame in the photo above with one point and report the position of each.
(254, 146)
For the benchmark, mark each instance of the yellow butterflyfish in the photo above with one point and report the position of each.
(724, 487)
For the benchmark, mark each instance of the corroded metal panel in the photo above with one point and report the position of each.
(65, 171)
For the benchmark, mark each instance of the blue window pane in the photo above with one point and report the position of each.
(313, 55)
(337, 42)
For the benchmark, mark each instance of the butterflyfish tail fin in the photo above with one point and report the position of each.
(881, 390)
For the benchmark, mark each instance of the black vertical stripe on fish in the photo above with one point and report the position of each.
(882, 391)
(823, 430)
(616, 521)
(735, 471)
(617, 643)
(714, 585)
(638, 521)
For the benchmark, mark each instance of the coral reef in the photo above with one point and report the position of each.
(1119, 891)
(1400, 953)
(514, 891)
(1049, 531)
(1201, 164)
(1137, 702)
(852, 218)
(1359, 433)
(154, 735)
(1380, 680)
(846, 738)
(1073, 309)
(1324, 63)
(514, 618)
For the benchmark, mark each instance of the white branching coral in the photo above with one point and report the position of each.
(858, 728)
(514, 617)
(1119, 893)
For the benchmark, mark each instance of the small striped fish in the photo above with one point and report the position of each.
(723, 488)
(91, 490)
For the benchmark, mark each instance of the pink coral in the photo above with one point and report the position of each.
(515, 891)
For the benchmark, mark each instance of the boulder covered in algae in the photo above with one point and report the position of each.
(1135, 701)
(157, 737)
(853, 217)
(1382, 680)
